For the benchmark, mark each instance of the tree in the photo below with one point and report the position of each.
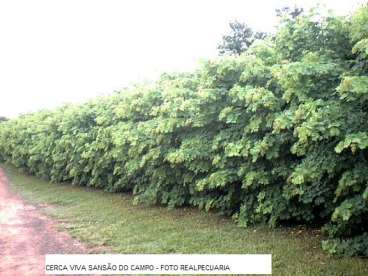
(239, 39)
(2, 119)
(289, 12)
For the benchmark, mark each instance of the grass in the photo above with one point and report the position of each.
(106, 220)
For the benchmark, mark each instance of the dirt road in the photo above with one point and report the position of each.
(26, 235)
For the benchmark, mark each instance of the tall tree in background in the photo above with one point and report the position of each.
(241, 36)
(239, 39)
(2, 119)
(289, 12)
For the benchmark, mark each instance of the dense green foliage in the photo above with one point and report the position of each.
(276, 135)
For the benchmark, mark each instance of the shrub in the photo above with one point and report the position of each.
(276, 135)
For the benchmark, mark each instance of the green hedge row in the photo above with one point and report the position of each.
(277, 135)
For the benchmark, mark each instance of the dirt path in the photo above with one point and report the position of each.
(26, 236)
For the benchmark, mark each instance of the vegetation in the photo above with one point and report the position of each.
(277, 135)
(239, 39)
(110, 223)
(241, 36)
(290, 12)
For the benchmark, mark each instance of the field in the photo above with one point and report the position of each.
(111, 223)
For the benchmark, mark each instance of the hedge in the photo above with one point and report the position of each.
(278, 135)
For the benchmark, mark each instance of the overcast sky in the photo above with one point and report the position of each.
(52, 52)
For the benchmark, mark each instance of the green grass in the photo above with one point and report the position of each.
(112, 223)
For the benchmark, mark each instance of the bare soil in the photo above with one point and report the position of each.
(26, 235)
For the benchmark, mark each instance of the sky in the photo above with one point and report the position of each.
(68, 51)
